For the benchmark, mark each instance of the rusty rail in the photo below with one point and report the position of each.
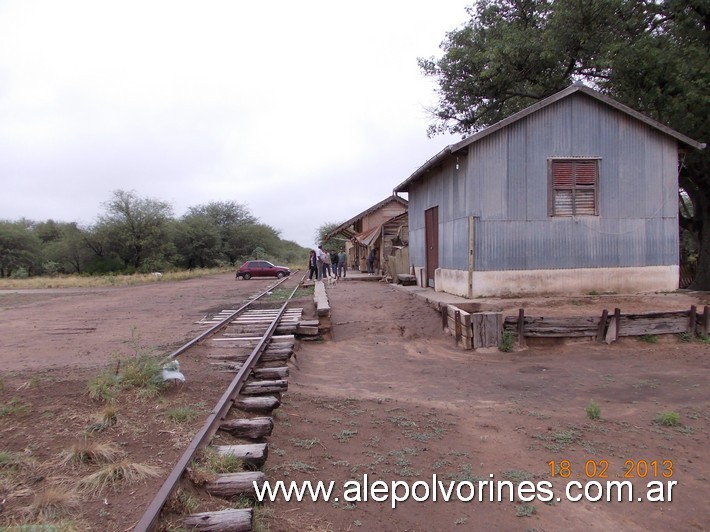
(152, 513)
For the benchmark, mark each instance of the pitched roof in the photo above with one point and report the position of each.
(452, 148)
(364, 213)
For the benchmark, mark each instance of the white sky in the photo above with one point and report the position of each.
(308, 112)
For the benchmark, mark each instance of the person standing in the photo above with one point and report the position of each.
(371, 261)
(320, 255)
(342, 263)
(312, 265)
(334, 263)
(326, 264)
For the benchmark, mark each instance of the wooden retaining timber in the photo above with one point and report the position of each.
(483, 329)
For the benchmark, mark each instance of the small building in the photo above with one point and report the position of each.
(573, 194)
(374, 228)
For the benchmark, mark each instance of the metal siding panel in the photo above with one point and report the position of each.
(489, 161)
(516, 186)
(566, 243)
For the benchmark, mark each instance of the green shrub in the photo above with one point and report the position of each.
(668, 419)
(593, 410)
(506, 342)
(103, 387)
(686, 337)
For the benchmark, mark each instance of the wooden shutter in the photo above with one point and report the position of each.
(574, 187)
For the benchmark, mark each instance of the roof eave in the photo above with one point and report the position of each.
(423, 169)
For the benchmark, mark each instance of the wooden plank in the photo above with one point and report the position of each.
(259, 387)
(254, 454)
(633, 326)
(521, 327)
(230, 485)
(253, 428)
(487, 327)
(457, 326)
(222, 520)
(706, 322)
(466, 330)
(257, 404)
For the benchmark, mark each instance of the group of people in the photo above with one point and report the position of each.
(323, 264)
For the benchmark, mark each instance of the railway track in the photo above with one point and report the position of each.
(257, 344)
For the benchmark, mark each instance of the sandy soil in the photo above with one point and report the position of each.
(384, 394)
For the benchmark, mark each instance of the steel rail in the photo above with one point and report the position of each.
(212, 330)
(152, 513)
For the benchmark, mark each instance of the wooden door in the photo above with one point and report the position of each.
(431, 242)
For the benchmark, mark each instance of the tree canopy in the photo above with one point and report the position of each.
(652, 55)
(141, 234)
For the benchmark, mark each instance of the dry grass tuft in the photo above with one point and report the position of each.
(87, 451)
(217, 463)
(118, 474)
(10, 461)
(182, 502)
(52, 503)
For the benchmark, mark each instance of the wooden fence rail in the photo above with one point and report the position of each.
(483, 329)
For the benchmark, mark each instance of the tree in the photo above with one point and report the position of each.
(652, 55)
(198, 241)
(68, 250)
(246, 238)
(322, 236)
(19, 249)
(136, 228)
(229, 218)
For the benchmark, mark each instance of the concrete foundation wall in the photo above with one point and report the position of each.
(559, 282)
(452, 282)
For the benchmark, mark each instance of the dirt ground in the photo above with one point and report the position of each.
(385, 394)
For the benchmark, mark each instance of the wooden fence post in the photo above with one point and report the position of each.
(521, 327)
(692, 318)
(706, 321)
(602, 326)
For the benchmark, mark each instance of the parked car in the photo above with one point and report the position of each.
(261, 268)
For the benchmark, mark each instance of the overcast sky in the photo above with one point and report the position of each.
(308, 112)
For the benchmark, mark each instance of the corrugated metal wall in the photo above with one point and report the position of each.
(502, 181)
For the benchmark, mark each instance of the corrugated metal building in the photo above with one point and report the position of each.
(575, 193)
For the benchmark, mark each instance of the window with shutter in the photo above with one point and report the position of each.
(574, 187)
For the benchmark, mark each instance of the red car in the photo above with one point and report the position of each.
(261, 268)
